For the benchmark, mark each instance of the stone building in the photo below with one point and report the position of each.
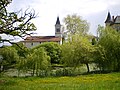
(113, 21)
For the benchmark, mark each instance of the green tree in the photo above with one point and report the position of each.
(38, 60)
(100, 57)
(68, 57)
(15, 23)
(75, 24)
(99, 30)
(10, 57)
(85, 52)
(53, 50)
(110, 43)
(78, 51)
(21, 65)
(22, 50)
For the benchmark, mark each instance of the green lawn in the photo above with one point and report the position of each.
(83, 82)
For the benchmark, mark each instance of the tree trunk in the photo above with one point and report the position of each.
(33, 72)
(88, 69)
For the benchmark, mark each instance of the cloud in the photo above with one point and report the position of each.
(59, 6)
(49, 9)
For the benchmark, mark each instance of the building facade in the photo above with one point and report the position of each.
(32, 41)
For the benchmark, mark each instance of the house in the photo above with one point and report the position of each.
(32, 41)
(114, 22)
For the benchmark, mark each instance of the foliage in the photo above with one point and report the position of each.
(75, 25)
(15, 23)
(99, 30)
(100, 57)
(9, 55)
(94, 40)
(78, 51)
(109, 49)
(65, 72)
(38, 60)
(21, 65)
(53, 50)
(68, 54)
(22, 50)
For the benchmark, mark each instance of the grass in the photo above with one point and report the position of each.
(109, 81)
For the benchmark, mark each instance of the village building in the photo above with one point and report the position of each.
(113, 21)
(32, 41)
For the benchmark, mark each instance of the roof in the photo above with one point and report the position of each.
(117, 19)
(58, 21)
(108, 18)
(42, 39)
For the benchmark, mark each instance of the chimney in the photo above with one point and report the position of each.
(113, 18)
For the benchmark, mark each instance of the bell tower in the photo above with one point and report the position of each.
(58, 28)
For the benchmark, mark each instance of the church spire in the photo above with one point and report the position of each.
(58, 21)
(108, 20)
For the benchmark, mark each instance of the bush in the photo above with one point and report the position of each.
(64, 72)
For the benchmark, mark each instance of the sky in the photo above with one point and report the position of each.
(94, 11)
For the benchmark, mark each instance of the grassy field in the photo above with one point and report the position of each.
(109, 81)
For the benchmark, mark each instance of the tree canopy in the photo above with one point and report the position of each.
(75, 24)
(53, 50)
(9, 55)
(22, 50)
(38, 60)
(78, 51)
(15, 23)
(109, 49)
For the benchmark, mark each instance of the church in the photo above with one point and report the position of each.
(113, 21)
(32, 41)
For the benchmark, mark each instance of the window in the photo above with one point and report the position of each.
(58, 30)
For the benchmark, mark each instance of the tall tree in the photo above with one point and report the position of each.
(77, 52)
(110, 47)
(15, 23)
(75, 24)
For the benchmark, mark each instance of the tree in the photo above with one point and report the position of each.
(99, 30)
(85, 52)
(53, 50)
(38, 60)
(68, 57)
(21, 49)
(78, 51)
(110, 43)
(100, 57)
(75, 25)
(15, 23)
(9, 55)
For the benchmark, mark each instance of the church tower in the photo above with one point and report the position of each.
(108, 20)
(58, 28)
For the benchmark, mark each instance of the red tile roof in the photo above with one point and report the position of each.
(42, 39)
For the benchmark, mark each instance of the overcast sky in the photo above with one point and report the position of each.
(94, 11)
